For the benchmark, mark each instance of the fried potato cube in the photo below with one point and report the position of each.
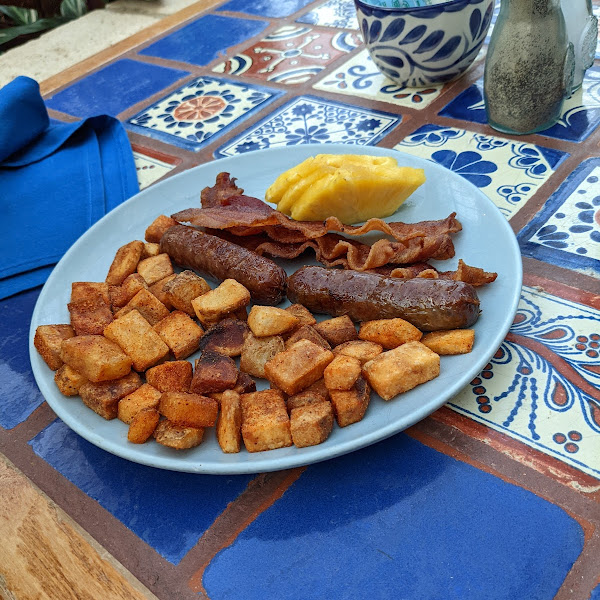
(188, 410)
(103, 397)
(351, 405)
(183, 288)
(389, 333)
(337, 330)
(244, 385)
(342, 372)
(95, 357)
(311, 424)
(138, 340)
(297, 367)
(401, 369)
(226, 298)
(307, 332)
(155, 268)
(304, 316)
(89, 307)
(256, 352)
(143, 425)
(156, 229)
(226, 337)
(68, 380)
(150, 249)
(148, 305)
(144, 397)
(125, 262)
(178, 437)
(47, 341)
(158, 289)
(181, 333)
(361, 349)
(265, 321)
(265, 421)
(120, 295)
(229, 422)
(449, 342)
(213, 373)
(314, 393)
(172, 376)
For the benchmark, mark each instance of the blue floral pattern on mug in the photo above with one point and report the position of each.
(412, 48)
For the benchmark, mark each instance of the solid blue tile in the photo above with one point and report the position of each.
(566, 231)
(19, 394)
(399, 520)
(595, 593)
(266, 8)
(114, 88)
(169, 511)
(580, 116)
(203, 40)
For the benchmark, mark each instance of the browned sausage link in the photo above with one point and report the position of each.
(219, 259)
(429, 304)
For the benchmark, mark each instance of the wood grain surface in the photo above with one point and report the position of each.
(45, 555)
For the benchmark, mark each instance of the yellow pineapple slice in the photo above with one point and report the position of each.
(351, 187)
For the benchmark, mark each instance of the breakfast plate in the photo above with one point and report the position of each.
(486, 241)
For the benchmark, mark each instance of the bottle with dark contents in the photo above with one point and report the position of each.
(529, 67)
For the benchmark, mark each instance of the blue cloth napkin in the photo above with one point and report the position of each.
(55, 182)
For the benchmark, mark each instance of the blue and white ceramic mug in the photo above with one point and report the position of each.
(424, 45)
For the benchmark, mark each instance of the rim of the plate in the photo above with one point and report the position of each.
(262, 462)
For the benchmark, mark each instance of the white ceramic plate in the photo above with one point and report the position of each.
(486, 241)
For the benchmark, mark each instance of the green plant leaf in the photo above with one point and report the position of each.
(71, 9)
(18, 15)
(10, 33)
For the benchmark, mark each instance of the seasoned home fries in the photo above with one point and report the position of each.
(158, 348)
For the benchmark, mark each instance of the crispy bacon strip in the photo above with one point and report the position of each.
(334, 250)
(224, 188)
(473, 275)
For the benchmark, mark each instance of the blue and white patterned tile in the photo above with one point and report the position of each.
(360, 77)
(566, 231)
(333, 13)
(580, 115)
(204, 108)
(150, 169)
(291, 54)
(311, 120)
(508, 172)
(542, 386)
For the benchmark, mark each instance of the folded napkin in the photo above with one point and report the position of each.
(55, 182)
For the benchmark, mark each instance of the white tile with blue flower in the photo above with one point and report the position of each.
(508, 172)
(203, 108)
(312, 120)
(360, 77)
(566, 231)
(542, 385)
(149, 169)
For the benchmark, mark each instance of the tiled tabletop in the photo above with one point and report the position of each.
(494, 496)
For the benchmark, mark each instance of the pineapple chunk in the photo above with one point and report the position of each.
(352, 187)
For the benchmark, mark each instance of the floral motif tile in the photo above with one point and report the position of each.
(292, 54)
(508, 172)
(333, 13)
(360, 77)
(150, 169)
(542, 386)
(205, 107)
(566, 231)
(580, 115)
(204, 39)
(311, 120)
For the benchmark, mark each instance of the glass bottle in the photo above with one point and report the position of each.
(582, 30)
(529, 67)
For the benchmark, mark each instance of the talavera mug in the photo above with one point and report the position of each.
(424, 45)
